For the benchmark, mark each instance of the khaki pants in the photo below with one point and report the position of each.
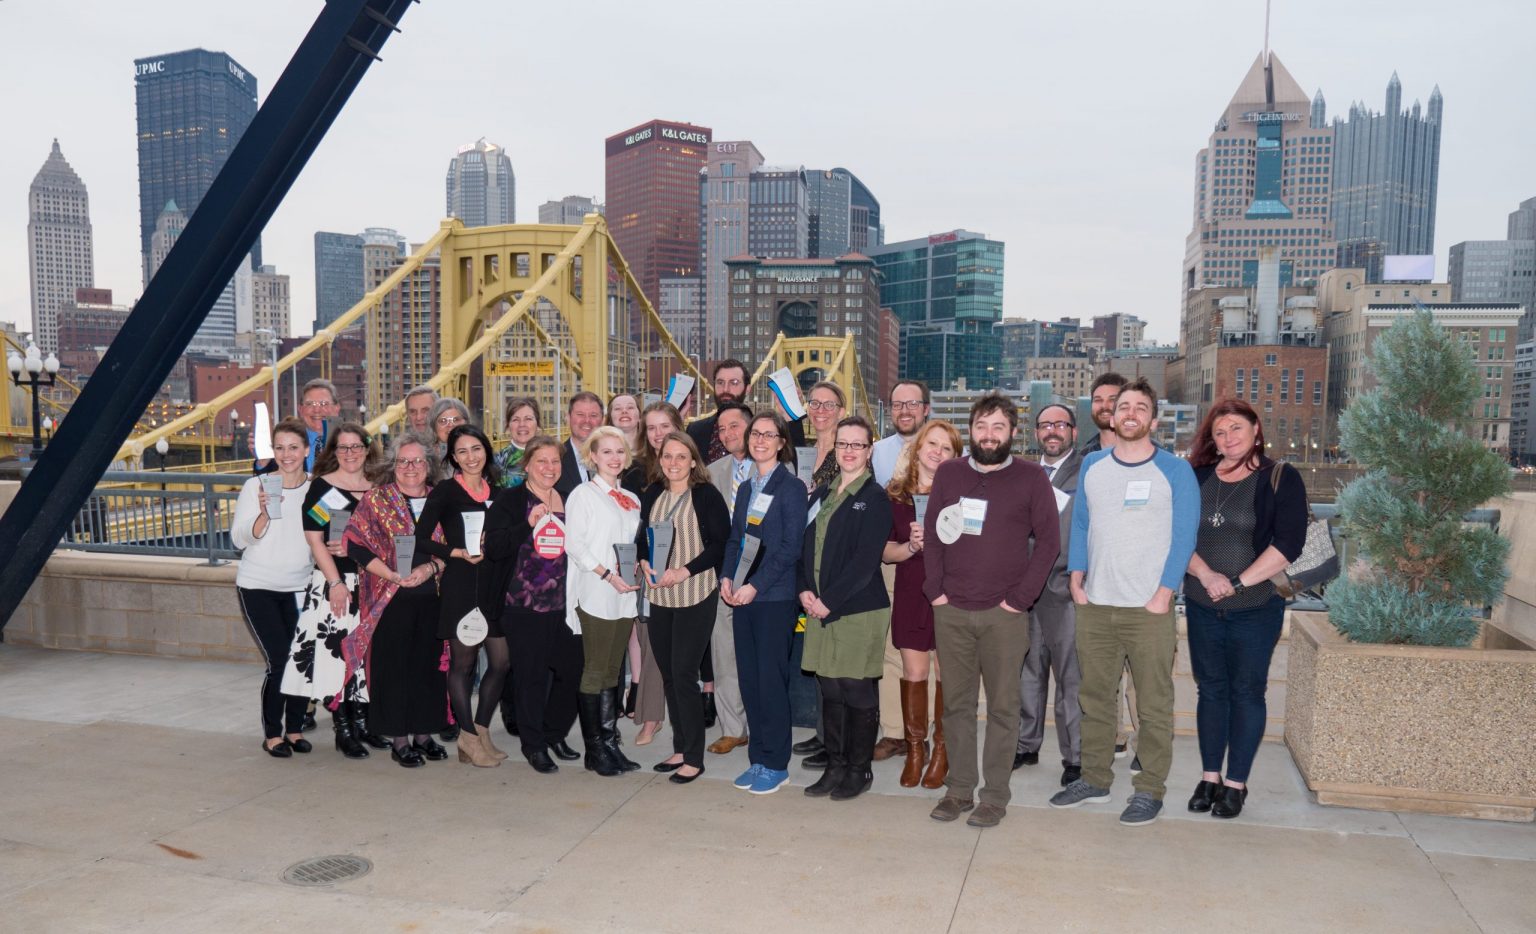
(985, 649)
(1109, 638)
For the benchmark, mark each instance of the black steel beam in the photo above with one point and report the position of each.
(344, 40)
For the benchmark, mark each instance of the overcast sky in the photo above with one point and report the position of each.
(1066, 130)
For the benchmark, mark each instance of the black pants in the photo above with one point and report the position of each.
(273, 616)
(680, 643)
(405, 678)
(546, 669)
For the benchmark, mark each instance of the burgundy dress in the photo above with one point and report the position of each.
(911, 613)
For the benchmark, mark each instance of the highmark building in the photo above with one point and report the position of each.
(947, 291)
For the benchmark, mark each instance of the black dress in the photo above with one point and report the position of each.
(459, 588)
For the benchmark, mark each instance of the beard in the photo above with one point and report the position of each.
(990, 457)
(1104, 418)
(1135, 434)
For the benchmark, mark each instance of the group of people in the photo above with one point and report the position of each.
(701, 558)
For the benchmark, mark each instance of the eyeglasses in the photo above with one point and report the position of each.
(913, 406)
(350, 448)
(1046, 426)
(316, 404)
(411, 463)
(818, 406)
(765, 436)
(449, 420)
(727, 382)
(850, 445)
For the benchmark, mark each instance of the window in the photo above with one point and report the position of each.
(1270, 359)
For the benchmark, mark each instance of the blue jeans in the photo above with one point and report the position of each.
(1229, 651)
(765, 634)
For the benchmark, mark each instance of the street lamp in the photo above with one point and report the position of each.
(162, 447)
(270, 337)
(35, 368)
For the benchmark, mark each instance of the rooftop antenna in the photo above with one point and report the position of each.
(1266, 33)
(1269, 77)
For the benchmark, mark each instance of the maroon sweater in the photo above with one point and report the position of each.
(978, 572)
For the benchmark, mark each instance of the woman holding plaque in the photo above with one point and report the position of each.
(825, 404)
(316, 668)
(911, 615)
(760, 556)
(847, 610)
(683, 528)
(601, 521)
(275, 566)
(395, 647)
(525, 543)
(457, 508)
(522, 424)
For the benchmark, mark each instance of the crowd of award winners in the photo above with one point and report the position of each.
(727, 573)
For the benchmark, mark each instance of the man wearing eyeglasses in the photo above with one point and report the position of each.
(1052, 621)
(910, 405)
(731, 381)
(317, 405)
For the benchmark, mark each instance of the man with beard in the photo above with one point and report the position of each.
(1052, 635)
(731, 380)
(1106, 389)
(910, 405)
(1134, 522)
(981, 580)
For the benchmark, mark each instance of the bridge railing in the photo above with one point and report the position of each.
(180, 515)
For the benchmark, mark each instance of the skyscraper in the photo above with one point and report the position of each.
(829, 196)
(193, 107)
(778, 213)
(651, 192)
(270, 301)
(865, 230)
(572, 209)
(726, 209)
(59, 246)
(216, 335)
(338, 275)
(1491, 271)
(947, 289)
(1386, 177)
(482, 191)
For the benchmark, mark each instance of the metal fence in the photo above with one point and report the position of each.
(148, 512)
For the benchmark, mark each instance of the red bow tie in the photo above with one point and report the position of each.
(624, 502)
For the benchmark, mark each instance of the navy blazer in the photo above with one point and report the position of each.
(780, 532)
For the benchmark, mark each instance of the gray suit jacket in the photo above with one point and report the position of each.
(720, 476)
(1057, 590)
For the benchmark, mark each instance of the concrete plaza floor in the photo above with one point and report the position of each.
(136, 799)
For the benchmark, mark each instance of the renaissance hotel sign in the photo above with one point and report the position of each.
(658, 131)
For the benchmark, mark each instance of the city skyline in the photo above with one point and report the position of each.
(1038, 161)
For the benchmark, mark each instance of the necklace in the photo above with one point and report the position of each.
(1216, 519)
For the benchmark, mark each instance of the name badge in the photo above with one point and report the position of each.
(813, 512)
(950, 524)
(334, 500)
(1138, 493)
(472, 627)
(973, 513)
(759, 508)
(549, 538)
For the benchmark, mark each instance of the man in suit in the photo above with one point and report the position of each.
(727, 474)
(1052, 630)
(583, 413)
(731, 384)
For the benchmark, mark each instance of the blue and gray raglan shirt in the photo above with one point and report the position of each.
(1133, 526)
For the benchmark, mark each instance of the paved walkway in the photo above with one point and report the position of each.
(136, 799)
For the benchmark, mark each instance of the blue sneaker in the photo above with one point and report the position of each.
(747, 778)
(768, 780)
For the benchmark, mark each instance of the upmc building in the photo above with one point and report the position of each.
(652, 200)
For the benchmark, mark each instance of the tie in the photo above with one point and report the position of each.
(1050, 470)
(737, 476)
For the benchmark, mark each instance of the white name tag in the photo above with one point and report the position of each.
(1138, 492)
(973, 512)
(1063, 500)
(472, 627)
(333, 499)
(949, 524)
(759, 508)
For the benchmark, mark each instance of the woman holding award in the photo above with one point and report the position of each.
(395, 647)
(847, 610)
(457, 507)
(911, 614)
(760, 557)
(683, 528)
(600, 601)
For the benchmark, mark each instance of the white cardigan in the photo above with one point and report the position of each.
(594, 523)
(280, 559)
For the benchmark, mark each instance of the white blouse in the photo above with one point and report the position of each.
(594, 523)
(280, 559)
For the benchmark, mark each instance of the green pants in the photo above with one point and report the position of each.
(1107, 638)
(603, 644)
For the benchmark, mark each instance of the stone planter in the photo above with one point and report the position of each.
(1411, 728)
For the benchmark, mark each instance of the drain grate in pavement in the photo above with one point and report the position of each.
(327, 870)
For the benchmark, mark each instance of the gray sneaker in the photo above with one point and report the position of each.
(1141, 808)
(1079, 792)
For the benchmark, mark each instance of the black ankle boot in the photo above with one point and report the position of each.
(862, 726)
(1228, 802)
(346, 739)
(598, 759)
(834, 751)
(710, 713)
(609, 705)
(360, 727)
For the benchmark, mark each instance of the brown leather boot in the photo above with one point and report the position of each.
(938, 763)
(914, 719)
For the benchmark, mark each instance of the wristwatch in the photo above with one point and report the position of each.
(1237, 584)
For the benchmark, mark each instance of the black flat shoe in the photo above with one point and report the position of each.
(541, 762)
(301, 745)
(309, 722)
(710, 713)
(408, 758)
(1025, 758)
(430, 750)
(281, 751)
(816, 760)
(1205, 793)
(1229, 802)
(667, 766)
(563, 750)
(807, 746)
(677, 778)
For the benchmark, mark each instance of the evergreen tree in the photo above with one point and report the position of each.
(1424, 570)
